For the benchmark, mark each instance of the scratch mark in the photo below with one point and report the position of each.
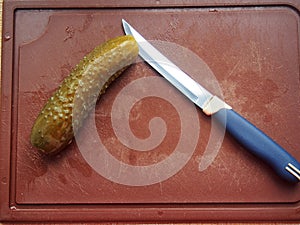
(235, 67)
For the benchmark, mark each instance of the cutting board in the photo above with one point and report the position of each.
(146, 153)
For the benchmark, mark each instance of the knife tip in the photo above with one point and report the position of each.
(124, 22)
(126, 27)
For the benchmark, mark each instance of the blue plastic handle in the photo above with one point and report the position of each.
(258, 143)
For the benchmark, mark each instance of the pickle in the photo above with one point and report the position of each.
(70, 104)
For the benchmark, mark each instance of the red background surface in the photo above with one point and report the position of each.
(254, 53)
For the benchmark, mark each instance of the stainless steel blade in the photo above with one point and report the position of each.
(190, 88)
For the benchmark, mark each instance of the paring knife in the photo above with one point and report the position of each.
(241, 129)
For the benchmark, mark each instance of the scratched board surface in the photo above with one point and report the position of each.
(145, 143)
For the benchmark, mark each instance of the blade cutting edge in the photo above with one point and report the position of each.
(190, 88)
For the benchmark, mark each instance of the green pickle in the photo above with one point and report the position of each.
(70, 104)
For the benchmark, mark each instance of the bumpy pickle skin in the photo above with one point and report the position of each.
(70, 104)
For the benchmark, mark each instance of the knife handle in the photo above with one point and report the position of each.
(258, 143)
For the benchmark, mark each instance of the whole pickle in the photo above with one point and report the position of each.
(71, 103)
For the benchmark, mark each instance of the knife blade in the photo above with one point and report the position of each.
(248, 135)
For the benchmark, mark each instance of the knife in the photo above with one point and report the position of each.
(249, 136)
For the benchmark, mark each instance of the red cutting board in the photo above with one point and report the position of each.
(146, 153)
